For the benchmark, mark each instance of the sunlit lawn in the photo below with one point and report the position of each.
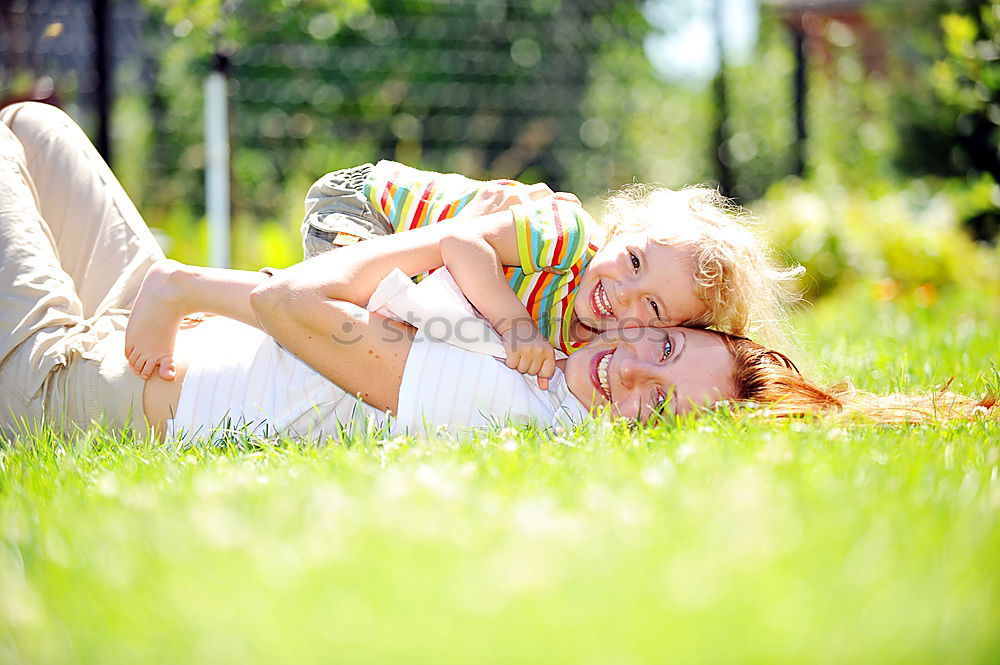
(724, 539)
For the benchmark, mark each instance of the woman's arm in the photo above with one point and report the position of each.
(362, 352)
(365, 354)
(314, 309)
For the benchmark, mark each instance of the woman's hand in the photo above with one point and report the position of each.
(529, 352)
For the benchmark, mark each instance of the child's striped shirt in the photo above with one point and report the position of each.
(555, 238)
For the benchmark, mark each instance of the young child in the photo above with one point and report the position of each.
(546, 275)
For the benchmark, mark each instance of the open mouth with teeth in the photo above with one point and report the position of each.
(600, 302)
(599, 372)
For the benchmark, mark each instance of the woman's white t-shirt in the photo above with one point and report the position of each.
(256, 386)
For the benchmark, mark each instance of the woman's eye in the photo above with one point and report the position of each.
(655, 307)
(635, 261)
(660, 404)
(667, 350)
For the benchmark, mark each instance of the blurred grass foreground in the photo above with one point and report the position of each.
(723, 539)
(862, 135)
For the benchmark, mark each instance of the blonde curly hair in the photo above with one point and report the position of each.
(745, 290)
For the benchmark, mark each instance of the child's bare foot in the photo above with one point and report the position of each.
(153, 323)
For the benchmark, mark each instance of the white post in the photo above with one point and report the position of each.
(217, 165)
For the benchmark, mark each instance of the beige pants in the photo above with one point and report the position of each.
(73, 252)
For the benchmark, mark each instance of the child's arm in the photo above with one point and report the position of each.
(475, 255)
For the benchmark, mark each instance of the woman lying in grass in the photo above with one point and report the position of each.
(74, 252)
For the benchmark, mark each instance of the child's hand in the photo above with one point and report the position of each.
(529, 352)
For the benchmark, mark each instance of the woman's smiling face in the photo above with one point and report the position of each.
(635, 281)
(639, 370)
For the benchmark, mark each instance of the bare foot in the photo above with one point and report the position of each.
(153, 323)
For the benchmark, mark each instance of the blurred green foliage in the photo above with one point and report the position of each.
(910, 238)
(760, 126)
(950, 123)
(489, 89)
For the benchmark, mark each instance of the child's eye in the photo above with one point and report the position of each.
(668, 348)
(635, 261)
(655, 307)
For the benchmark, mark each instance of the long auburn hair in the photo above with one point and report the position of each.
(770, 379)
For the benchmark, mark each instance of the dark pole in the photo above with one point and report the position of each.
(799, 83)
(104, 73)
(722, 159)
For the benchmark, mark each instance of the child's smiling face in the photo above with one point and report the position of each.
(635, 281)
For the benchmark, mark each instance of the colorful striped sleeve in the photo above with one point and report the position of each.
(410, 198)
(553, 235)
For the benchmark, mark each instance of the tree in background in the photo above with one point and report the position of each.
(760, 124)
(949, 117)
(967, 80)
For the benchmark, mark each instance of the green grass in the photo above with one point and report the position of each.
(718, 540)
